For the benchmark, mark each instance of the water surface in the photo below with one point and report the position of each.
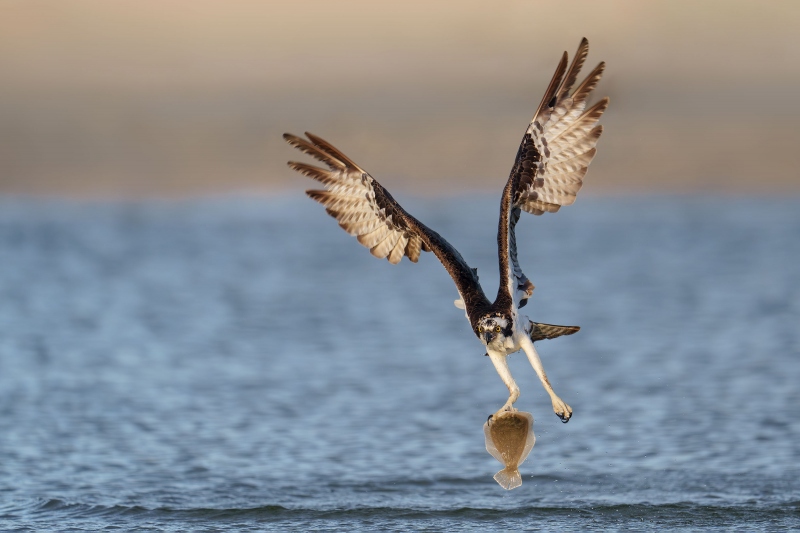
(243, 364)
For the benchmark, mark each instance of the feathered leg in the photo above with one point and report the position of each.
(500, 362)
(562, 410)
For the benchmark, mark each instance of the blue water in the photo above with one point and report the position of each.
(242, 364)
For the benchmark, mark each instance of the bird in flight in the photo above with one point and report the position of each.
(555, 152)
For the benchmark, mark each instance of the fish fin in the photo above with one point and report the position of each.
(508, 478)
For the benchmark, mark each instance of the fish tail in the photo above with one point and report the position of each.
(508, 478)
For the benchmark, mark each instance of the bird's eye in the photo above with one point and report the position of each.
(497, 329)
(480, 329)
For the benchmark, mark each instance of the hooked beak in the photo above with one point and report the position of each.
(488, 336)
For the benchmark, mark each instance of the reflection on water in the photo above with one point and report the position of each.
(234, 363)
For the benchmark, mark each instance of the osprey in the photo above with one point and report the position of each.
(548, 172)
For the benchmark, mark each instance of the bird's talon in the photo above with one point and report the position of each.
(562, 410)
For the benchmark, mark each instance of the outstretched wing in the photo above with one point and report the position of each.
(560, 140)
(552, 160)
(365, 209)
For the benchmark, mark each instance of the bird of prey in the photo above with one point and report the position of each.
(555, 152)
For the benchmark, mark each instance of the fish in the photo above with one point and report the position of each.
(509, 438)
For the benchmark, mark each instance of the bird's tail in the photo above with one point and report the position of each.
(508, 478)
(550, 331)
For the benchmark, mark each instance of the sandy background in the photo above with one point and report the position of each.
(145, 98)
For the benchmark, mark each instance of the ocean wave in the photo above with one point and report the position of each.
(644, 510)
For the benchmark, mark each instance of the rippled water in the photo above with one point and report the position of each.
(243, 364)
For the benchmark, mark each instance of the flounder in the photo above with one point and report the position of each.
(509, 438)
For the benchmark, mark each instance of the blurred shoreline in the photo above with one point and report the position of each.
(409, 199)
(145, 99)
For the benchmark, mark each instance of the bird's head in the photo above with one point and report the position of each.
(493, 329)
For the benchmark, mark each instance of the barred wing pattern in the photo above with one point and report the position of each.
(541, 331)
(366, 210)
(552, 160)
(357, 202)
(560, 140)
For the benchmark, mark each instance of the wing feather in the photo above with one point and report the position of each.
(376, 236)
(552, 160)
(413, 248)
(363, 208)
(574, 69)
(552, 89)
(314, 151)
(564, 134)
(399, 250)
(580, 161)
(360, 227)
(539, 331)
(385, 245)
